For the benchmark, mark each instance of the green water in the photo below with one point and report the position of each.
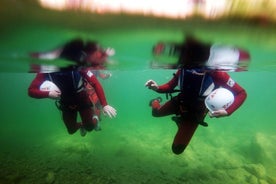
(133, 148)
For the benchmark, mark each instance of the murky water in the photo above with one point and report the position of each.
(134, 147)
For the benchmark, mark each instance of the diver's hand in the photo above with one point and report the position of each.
(110, 111)
(105, 75)
(151, 84)
(110, 51)
(218, 113)
(54, 94)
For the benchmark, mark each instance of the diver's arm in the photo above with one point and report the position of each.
(34, 91)
(169, 86)
(93, 81)
(224, 80)
(240, 96)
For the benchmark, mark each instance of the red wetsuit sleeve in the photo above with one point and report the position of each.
(93, 81)
(224, 80)
(34, 91)
(169, 86)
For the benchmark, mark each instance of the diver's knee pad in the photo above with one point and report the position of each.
(178, 149)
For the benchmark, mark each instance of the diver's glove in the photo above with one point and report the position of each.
(110, 111)
(151, 84)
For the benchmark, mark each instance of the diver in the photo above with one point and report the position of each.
(195, 84)
(73, 95)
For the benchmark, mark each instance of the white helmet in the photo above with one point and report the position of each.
(48, 86)
(220, 98)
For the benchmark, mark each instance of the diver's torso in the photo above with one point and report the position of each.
(195, 83)
(69, 82)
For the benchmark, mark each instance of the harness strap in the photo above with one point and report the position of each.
(169, 94)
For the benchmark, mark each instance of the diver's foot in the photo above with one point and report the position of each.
(82, 131)
(97, 126)
(159, 99)
(203, 124)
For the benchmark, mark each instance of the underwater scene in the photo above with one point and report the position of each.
(134, 147)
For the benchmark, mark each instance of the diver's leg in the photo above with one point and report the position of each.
(86, 115)
(70, 121)
(183, 136)
(187, 123)
(86, 111)
(159, 110)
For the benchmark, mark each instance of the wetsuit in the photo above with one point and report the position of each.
(74, 98)
(194, 85)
